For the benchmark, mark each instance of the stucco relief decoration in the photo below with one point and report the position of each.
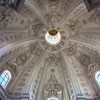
(36, 26)
(21, 59)
(12, 67)
(35, 50)
(84, 60)
(74, 25)
(52, 88)
(52, 58)
(5, 15)
(53, 14)
(94, 18)
(32, 47)
(92, 68)
(71, 49)
(53, 3)
(98, 12)
(66, 5)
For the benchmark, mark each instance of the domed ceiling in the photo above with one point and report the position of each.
(48, 48)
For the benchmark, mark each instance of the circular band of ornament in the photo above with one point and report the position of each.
(53, 39)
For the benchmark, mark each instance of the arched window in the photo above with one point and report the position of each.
(5, 77)
(97, 77)
(52, 98)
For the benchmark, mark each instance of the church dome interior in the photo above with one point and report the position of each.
(49, 50)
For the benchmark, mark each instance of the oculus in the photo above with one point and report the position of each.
(53, 37)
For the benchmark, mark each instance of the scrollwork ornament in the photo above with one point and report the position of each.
(97, 18)
(92, 68)
(12, 67)
(5, 14)
(71, 50)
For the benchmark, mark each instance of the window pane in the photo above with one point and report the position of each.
(3, 83)
(3, 75)
(97, 77)
(5, 78)
(1, 79)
